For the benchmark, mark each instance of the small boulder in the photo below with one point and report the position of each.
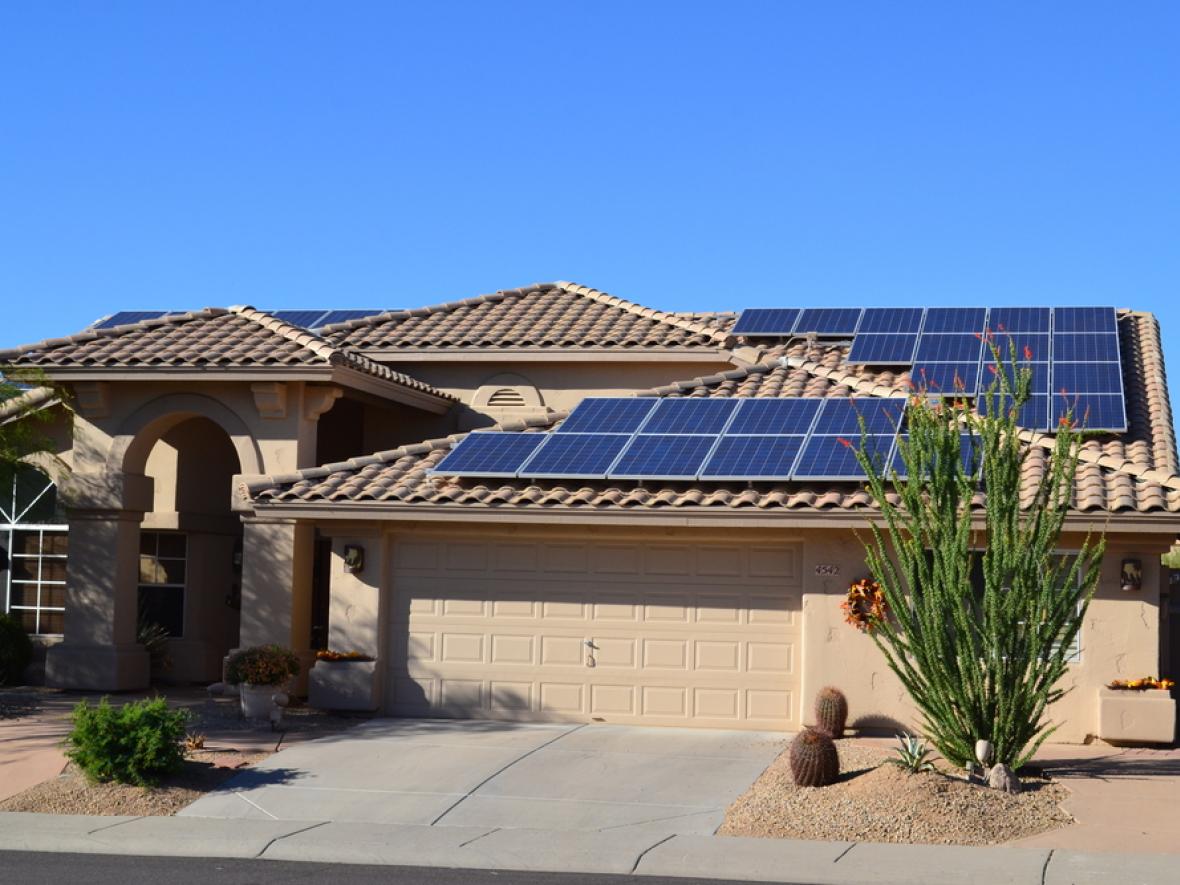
(1001, 777)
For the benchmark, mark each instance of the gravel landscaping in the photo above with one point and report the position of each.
(71, 793)
(876, 802)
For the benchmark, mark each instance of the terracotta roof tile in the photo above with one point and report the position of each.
(1131, 472)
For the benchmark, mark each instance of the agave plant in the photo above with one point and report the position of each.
(911, 754)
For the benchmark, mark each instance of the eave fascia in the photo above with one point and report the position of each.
(391, 390)
(541, 355)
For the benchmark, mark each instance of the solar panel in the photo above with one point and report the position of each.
(663, 456)
(1018, 319)
(774, 416)
(834, 457)
(1034, 414)
(343, 316)
(840, 321)
(753, 457)
(946, 379)
(124, 317)
(843, 416)
(766, 321)
(970, 455)
(1026, 343)
(1087, 378)
(948, 349)
(608, 415)
(305, 319)
(883, 350)
(1092, 411)
(966, 320)
(1040, 374)
(490, 453)
(1085, 319)
(894, 320)
(1085, 348)
(576, 455)
(690, 416)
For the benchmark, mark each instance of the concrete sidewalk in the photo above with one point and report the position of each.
(689, 855)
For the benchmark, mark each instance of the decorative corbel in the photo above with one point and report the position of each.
(318, 400)
(270, 398)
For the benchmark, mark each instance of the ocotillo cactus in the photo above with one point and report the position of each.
(831, 711)
(813, 757)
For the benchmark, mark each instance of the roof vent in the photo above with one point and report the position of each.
(507, 398)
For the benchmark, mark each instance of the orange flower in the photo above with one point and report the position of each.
(1028, 354)
(842, 441)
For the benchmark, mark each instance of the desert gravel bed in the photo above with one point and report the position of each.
(876, 802)
(71, 793)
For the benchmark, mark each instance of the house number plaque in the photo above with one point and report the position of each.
(829, 571)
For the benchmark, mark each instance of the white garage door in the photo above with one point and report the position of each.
(643, 633)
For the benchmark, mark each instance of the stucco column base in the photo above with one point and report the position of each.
(98, 667)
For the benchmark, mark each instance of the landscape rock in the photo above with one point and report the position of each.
(1003, 778)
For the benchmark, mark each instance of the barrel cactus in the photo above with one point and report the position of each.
(814, 761)
(831, 711)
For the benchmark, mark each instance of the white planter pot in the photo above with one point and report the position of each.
(256, 700)
(343, 685)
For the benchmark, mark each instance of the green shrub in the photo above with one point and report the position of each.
(16, 650)
(136, 743)
(262, 665)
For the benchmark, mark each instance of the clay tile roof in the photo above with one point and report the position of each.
(544, 316)
(234, 338)
(1133, 472)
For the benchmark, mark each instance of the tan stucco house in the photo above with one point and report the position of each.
(222, 461)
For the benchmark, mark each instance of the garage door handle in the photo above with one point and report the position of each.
(590, 662)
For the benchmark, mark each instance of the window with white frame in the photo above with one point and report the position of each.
(33, 535)
(163, 570)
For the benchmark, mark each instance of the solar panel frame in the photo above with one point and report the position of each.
(1020, 319)
(1079, 347)
(948, 349)
(839, 416)
(829, 321)
(886, 349)
(575, 456)
(690, 415)
(774, 417)
(1087, 378)
(681, 457)
(609, 414)
(952, 320)
(779, 452)
(766, 321)
(507, 448)
(891, 321)
(833, 458)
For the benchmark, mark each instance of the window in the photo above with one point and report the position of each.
(33, 542)
(163, 569)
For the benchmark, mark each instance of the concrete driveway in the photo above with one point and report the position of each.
(503, 775)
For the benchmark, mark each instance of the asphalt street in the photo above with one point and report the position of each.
(44, 868)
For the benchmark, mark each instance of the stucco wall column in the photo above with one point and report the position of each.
(99, 651)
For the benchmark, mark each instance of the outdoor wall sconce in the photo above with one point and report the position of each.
(354, 558)
(1132, 575)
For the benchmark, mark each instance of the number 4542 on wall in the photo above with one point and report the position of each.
(828, 571)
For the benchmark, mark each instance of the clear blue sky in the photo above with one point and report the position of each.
(177, 155)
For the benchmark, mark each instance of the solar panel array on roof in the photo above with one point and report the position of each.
(124, 317)
(690, 439)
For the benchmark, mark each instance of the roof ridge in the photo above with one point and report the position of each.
(440, 307)
(112, 331)
(295, 334)
(652, 313)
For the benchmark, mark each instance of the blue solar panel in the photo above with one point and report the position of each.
(1085, 319)
(883, 350)
(833, 457)
(343, 316)
(1087, 378)
(970, 455)
(306, 319)
(1040, 374)
(608, 415)
(843, 416)
(948, 349)
(1085, 348)
(490, 453)
(663, 456)
(1030, 346)
(946, 379)
(766, 321)
(891, 319)
(1092, 411)
(690, 416)
(576, 455)
(967, 320)
(774, 416)
(1034, 414)
(829, 321)
(124, 317)
(1018, 319)
(753, 457)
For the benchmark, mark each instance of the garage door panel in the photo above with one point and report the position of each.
(714, 646)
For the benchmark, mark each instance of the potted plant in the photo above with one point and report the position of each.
(344, 680)
(260, 672)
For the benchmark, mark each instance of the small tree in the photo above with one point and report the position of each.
(979, 665)
(24, 396)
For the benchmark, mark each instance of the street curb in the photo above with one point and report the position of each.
(646, 852)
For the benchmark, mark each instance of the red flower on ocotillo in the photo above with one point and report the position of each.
(842, 441)
(1028, 354)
